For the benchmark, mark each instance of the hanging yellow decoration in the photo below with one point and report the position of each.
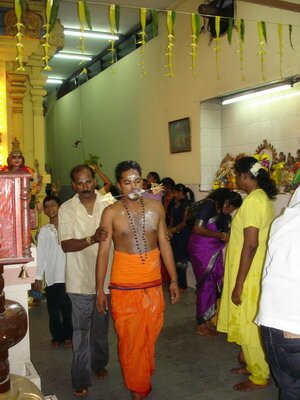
(171, 15)
(195, 24)
(84, 16)
(112, 22)
(19, 35)
(81, 15)
(280, 48)
(142, 41)
(262, 52)
(47, 45)
(217, 43)
(241, 35)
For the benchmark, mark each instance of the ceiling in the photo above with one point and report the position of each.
(129, 17)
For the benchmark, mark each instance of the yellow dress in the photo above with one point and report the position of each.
(256, 211)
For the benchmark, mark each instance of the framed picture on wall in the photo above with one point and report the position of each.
(180, 135)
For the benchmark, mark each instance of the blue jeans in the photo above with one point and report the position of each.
(284, 359)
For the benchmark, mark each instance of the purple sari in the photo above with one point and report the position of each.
(207, 261)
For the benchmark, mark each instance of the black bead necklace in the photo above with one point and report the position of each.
(143, 254)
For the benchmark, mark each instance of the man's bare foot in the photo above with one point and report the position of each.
(67, 344)
(82, 392)
(240, 370)
(203, 330)
(54, 344)
(248, 386)
(102, 373)
(183, 290)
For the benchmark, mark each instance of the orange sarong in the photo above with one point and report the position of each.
(137, 305)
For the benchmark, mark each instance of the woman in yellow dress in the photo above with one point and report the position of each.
(243, 269)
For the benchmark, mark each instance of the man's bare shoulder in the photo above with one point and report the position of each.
(114, 208)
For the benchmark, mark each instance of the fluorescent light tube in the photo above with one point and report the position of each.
(71, 56)
(259, 93)
(91, 34)
(52, 80)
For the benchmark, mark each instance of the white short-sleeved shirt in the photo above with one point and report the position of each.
(295, 199)
(76, 223)
(280, 297)
(50, 257)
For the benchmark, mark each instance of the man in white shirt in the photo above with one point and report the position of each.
(279, 312)
(79, 220)
(295, 199)
(51, 260)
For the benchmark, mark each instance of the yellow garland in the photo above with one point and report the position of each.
(194, 43)
(171, 39)
(19, 35)
(142, 41)
(262, 51)
(241, 47)
(47, 45)
(280, 48)
(217, 43)
(81, 15)
(112, 21)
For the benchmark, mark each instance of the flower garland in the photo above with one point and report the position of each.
(264, 159)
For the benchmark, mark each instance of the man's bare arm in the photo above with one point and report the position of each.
(105, 179)
(72, 245)
(102, 261)
(167, 255)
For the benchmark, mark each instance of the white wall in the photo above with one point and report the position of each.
(211, 142)
(241, 128)
(275, 118)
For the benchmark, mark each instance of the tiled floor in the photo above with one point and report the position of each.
(188, 367)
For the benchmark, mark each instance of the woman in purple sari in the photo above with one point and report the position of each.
(209, 236)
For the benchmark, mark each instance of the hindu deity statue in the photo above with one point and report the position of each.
(16, 163)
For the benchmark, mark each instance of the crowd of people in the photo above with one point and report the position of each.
(104, 255)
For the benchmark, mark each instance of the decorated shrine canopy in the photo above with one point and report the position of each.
(284, 169)
(114, 15)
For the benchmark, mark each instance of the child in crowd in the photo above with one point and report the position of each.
(51, 261)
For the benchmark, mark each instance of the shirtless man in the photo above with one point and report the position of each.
(137, 227)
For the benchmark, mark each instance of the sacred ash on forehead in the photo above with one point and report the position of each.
(132, 177)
